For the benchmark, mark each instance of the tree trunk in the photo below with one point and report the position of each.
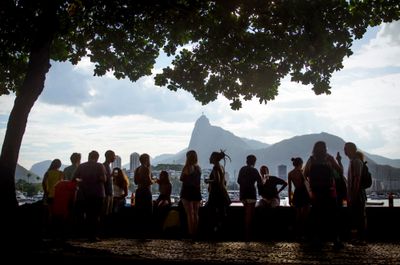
(32, 87)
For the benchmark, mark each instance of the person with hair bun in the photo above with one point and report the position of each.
(301, 198)
(143, 178)
(218, 198)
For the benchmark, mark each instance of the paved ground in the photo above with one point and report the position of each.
(155, 251)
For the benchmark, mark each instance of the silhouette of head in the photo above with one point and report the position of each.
(251, 160)
(264, 170)
(297, 161)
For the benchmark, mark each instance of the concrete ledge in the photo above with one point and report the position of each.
(269, 224)
(273, 224)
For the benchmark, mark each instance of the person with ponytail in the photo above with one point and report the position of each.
(300, 198)
(218, 198)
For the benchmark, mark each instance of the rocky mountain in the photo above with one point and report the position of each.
(207, 138)
(41, 167)
(24, 174)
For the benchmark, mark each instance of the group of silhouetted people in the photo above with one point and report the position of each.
(321, 190)
(84, 193)
(89, 192)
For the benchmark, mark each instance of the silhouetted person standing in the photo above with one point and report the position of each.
(92, 177)
(108, 185)
(69, 171)
(143, 199)
(52, 176)
(319, 170)
(356, 196)
(218, 198)
(190, 191)
(300, 198)
(247, 179)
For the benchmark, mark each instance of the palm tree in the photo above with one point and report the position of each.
(29, 175)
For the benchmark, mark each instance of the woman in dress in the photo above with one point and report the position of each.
(190, 192)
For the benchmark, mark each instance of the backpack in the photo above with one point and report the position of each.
(366, 178)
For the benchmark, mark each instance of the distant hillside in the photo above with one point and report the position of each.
(41, 167)
(384, 161)
(207, 138)
(24, 174)
(178, 158)
(298, 146)
(254, 144)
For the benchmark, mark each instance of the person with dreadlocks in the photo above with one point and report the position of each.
(218, 198)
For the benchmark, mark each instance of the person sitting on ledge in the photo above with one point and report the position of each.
(268, 189)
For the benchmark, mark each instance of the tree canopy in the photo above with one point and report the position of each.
(238, 48)
(242, 49)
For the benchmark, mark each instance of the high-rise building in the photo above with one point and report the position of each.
(282, 172)
(117, 162)
(134, 162)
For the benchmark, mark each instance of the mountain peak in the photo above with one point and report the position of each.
(202, 121)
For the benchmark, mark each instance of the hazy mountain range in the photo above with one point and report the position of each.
(207, 138)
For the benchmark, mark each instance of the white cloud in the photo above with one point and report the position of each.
(56, 132)
(382, 51)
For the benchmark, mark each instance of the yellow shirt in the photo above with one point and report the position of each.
(53, 177)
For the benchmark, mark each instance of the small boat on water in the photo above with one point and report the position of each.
(374, 203)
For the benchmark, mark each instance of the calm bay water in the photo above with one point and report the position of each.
(396, 202)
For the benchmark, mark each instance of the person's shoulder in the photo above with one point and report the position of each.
(99, 166)
(254, 170)
(243, 168)
(329, 156)
(357, 162)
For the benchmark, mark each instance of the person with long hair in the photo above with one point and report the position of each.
(319, 170)
(218, 198)
(356, 194)
(165, 190)
(191, 191)
(120, 188)
(52, 176)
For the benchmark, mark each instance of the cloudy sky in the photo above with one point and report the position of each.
(78, 112)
